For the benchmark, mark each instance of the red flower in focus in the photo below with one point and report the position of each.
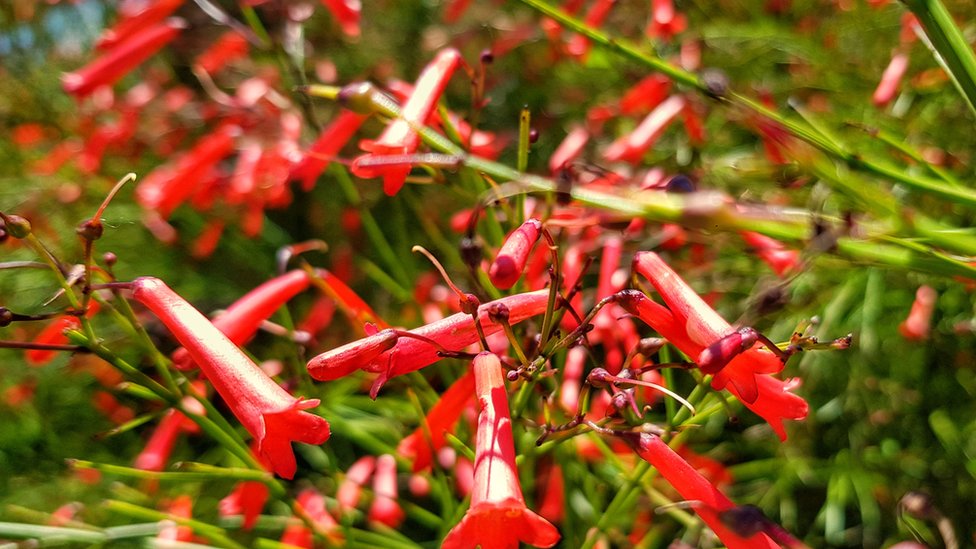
(400, 137)
(243, 318)
(498, 517)
(695, 328)
(508, 265)
(708, 501)
(117, 62)
(270, 414)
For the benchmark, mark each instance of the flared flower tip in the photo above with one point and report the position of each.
(290, 424)
(501, 526)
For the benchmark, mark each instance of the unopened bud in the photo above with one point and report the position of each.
(16, 226)
(714, 357)
(90, 230)
(358, 97)
(6, 317)
(499, 313)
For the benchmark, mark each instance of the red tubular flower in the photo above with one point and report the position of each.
(230, 46)
(552, 502)
(168, 186)
(270, 414)
(154, 455)
(916, 327)
(352, 486)
(130, 24)
(242, 319)
(116, 63)
(665, 21)
(643, 96)
(327, 146)
(570, 148)
(708, 502)
(890, 80)
(579, 45)
(772, 252)
(508, 265)
(401, 137)
(247, 499)
(719, 349)
(53, 333)
(632, 147)
(347, 13)
(407, 354)
(312, 504)
(572, 378)
(180, 507)
(498, 517)
(477, 142)
(385, 509)
(439, 421)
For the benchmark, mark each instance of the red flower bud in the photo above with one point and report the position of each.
(510, 261)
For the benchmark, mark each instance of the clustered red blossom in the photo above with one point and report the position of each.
(246, 163)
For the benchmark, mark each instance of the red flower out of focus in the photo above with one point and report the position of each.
(347, 13)
(439, 420)
(498, 517)
(773, 252)
(890, 80)
(247, 499)
(328, 145)
(268, 412)
(916, 327)
(400, 137)
(665, 21)
(122, 58)
(631, 147)
(385, 509)
(695, 328)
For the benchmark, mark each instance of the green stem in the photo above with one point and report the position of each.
(953, 52)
